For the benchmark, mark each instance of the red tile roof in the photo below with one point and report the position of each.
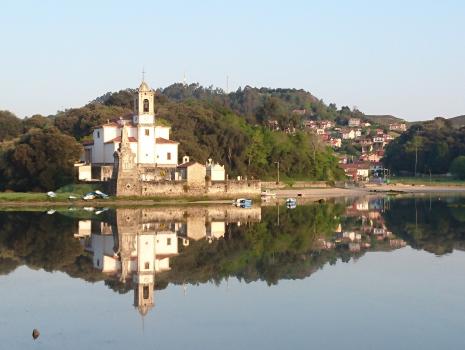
(118, 139)
(161, 140)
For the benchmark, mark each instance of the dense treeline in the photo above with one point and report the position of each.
(35, 153)
(206, 130)
(259, 105)
(42, 159)
(430, 147)
(435, 226)
(230, 128)
(256, 105)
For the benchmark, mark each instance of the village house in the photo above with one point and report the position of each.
(335, 142)
(310, 124)
(299, 111)
(348, 134)
(326, 124)
(398, 127)
(357, 171)
(215, 171)
(374, 157)
(354, 122)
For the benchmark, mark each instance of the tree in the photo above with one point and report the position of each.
(37, 121)
(457, 167)
(10, 126)
(40, 160)
(256, 152)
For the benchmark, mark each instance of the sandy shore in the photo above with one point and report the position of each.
(310, 194)
(317, 193)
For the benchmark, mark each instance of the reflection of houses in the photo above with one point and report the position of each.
(140, 242)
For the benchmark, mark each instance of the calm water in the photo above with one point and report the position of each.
(355, 274)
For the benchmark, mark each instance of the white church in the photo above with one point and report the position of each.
(149, 142)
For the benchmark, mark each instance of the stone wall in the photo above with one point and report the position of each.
(132, 186)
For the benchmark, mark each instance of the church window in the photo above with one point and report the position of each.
(168, 156)
(98, 134)
(147, 132)
(145, 292)
(146, 105)
(168, 241)
(147, 265)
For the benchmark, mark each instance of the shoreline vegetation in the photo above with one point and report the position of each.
(306, 191)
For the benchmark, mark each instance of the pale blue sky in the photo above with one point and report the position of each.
(405, 58)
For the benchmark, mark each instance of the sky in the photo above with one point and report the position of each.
(405, 58)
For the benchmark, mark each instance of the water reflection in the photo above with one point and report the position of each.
(145, 249)
(138, 243)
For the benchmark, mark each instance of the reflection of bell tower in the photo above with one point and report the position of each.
(144, 279)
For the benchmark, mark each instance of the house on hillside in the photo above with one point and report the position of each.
(357, 171)
(401, 127)
(348, 134)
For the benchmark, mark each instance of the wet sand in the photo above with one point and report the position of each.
(332, 192)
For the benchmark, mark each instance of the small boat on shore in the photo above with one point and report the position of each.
(243, 203)
(291, 203)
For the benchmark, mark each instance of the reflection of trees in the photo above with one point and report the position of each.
(435, 226)
(263, 251)
(41, 241)
(288, 248)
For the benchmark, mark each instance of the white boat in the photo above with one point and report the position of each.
(238, 201)
(51, 194)
(291, 203)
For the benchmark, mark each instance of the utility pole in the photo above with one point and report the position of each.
(277, 182)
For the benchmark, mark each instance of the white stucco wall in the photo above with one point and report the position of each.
(162, 151)
(146, 252)
(146, 145)
(218, 229)
(166, 243)
(109, 150)
(216, 172)
(102, 248)
(109, 133)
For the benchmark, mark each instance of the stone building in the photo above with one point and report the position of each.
(136, 157)
(146, 139)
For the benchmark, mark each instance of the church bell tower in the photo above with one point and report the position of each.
(145, 122)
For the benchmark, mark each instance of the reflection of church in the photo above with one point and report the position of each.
(140, 242)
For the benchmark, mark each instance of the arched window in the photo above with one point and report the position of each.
(147, 265)
(146, 105)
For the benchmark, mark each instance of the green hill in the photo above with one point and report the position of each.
(458, 121)
(384, 120)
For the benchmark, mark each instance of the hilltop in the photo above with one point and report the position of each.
(384, 119)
